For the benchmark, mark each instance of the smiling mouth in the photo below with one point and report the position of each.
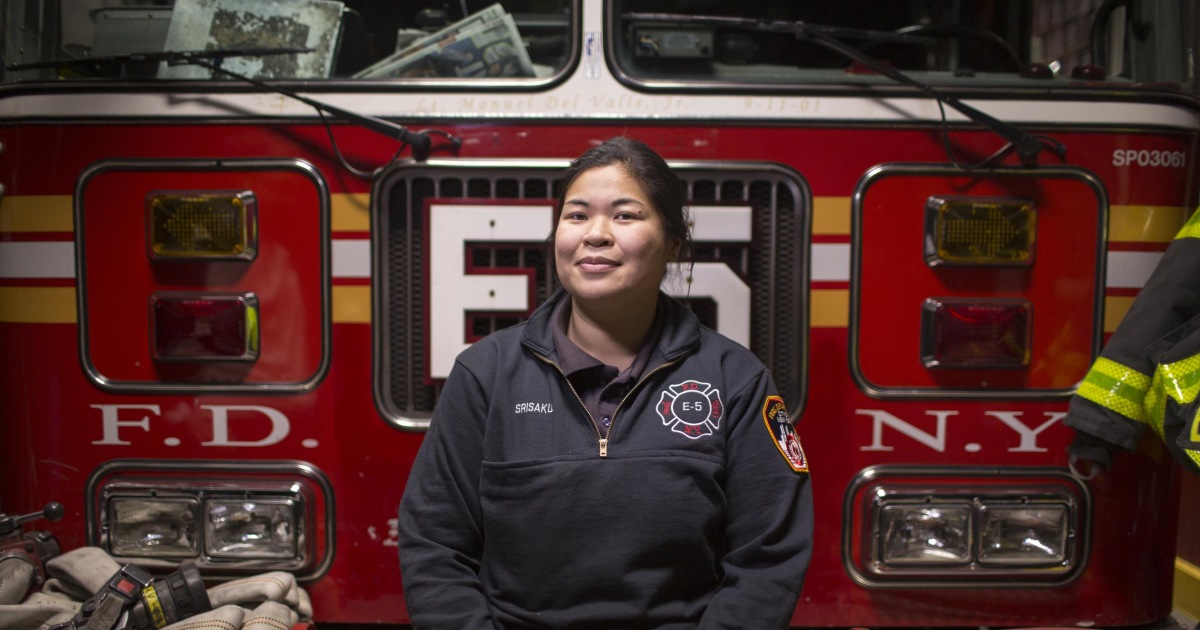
(595, 264)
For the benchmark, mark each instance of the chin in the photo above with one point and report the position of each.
(623, 295)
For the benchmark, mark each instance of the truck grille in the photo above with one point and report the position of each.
(774, 264)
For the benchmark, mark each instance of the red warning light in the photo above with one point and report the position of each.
(975, 334)
(200, 327)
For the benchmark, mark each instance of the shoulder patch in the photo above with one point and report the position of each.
(779, 424)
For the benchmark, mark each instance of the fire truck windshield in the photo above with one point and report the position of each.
(527, 43)
(1006, 43)
(354, 40)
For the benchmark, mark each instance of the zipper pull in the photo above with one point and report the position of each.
(603, 447)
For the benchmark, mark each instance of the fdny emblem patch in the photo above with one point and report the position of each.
(691, 408)
(784, 433)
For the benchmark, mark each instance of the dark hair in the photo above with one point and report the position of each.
(664, 188)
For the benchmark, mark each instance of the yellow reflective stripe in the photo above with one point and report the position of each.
(350, 212)
(1145, 224)
(1181, 379)
(1116, 387)
(1115, 309)
(831, 215)
(829, 308)
(37, 305)
(1187, 588)
(351, 304)
(1191, 229)
(36, 213)
(1155, 405)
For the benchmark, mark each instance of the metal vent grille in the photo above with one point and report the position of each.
(774, 265)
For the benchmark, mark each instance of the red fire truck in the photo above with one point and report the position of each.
(242, 242)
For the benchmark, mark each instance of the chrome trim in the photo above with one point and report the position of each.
(158, 387)
(93, 508)
(548, 171)
(1012, 576)
(856, 252)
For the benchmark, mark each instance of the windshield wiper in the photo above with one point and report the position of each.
(419, 142)
(1026, 145)
(173, 58)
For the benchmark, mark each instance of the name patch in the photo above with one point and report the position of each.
(534, 407)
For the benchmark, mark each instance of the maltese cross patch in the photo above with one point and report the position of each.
(691, 408)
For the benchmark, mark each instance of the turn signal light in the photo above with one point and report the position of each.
(975, 334)
(195, 326)
(208, 226)
(979, 232)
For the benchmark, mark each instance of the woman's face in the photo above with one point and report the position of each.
(611, 242)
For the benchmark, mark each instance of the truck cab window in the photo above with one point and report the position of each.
(726, 45)
(309, 40)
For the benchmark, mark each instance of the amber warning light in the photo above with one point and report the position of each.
(202, 226)
(979, 231)
(975, 333)
(204, 327)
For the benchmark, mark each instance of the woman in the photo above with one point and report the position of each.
(610, 463)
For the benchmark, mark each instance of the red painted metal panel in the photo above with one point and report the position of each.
(52, 418)
(119, 277)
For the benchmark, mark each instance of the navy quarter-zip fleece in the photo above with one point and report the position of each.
(513, 518)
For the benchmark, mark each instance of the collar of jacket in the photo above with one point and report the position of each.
(680, 332)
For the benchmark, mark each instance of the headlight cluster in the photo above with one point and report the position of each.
(248, 526)
(988, 530)
(924, 527)
(271, 516)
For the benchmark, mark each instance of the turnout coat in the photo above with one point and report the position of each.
(1148, 375)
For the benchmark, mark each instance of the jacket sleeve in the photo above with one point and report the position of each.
(769, 524)
(440, 520)
(1108, 404)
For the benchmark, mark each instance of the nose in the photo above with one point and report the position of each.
(598, 232)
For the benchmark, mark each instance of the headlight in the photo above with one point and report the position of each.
(250, 529)
(932, 534)
(148, 527)
(918, 527)
(261, 516)
(996, 529)
(1024, 535)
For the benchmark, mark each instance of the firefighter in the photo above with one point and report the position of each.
(1149, 372)
(610, 463)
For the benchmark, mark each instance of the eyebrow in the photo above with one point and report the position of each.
(616, 202)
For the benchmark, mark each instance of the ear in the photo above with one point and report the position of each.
(673, 249)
